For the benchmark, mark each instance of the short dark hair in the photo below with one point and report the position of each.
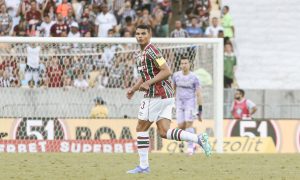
(227, 7)
(144, 26)
(241, 91)
(184, 57)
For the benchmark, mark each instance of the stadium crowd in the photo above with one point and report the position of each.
(95, 18)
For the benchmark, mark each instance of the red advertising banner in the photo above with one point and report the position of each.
(64, 146)
(285, 134)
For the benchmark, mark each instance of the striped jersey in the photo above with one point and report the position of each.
(147, 62)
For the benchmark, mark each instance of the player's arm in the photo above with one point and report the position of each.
(199, 103)
(163, 74)
(137, 84)
(134, 88)
(251, 106)
(253, 110)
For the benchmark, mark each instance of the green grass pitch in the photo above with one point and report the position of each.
(163, 166)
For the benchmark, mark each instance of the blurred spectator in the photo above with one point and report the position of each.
(128, 27)
(112, 33)
(227, 23)
(70, 17)
(64, 8)
(116, 75)
(178, 32)
(162, 27)
(68, 84)
(194, 30)
(5, 21)
(93, 76)
(102, 79)
(202, 16)
(214, 29)
(117, 5)
(5, 79)
(49, 8)
(14, 5)
(187, 18)
(78, 8)
(206, 4)
(60, 28)
(145, 18)
(221, 34)
(85, 26)
(55, 73)
(126, 11)
(104, 21)
(31, 83)
(242, 108)
(81, 82)
(230, 63)
(74, 30)
(99, 110)
(46, 26)
(44, 82)
(33, 18)
(33, 63)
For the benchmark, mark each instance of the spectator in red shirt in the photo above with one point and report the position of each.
(242, 108)
(55, 73)
(5, 21)
(85, 26)
(60, 27)
(20, 29)
(63, 8)
(33, 18)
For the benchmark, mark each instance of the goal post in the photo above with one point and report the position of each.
(206, 55)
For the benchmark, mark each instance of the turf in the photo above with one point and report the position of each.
(163, 166)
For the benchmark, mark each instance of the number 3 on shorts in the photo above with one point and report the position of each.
(143, 105)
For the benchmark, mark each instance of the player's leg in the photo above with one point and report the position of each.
(191, 145)
(188, 117)
(163, 126)
(180, 123)
(143, 143)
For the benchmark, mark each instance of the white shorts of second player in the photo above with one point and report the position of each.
(185, 110)
(154, 109)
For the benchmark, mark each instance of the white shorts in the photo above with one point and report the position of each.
(185, 115)
(154, 109)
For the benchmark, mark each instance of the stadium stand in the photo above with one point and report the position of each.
(267, 48)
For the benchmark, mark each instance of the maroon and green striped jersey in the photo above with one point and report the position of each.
(147, 62)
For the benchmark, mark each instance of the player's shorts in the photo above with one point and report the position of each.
(185, 110)
(154, 109)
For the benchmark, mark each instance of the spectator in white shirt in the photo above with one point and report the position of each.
(105, 21)
(33, 63)
(213, 30)
(80, 82)
(74, 30)
(46, 26)
(178, 31)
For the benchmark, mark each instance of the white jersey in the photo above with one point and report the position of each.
(33, 56)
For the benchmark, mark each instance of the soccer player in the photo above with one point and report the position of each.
(158, 100)
(188, 93)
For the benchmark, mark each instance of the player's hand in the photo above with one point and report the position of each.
(130, 93)
(199, 115)
(145, 86)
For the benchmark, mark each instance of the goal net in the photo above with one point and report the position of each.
(61, 77)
